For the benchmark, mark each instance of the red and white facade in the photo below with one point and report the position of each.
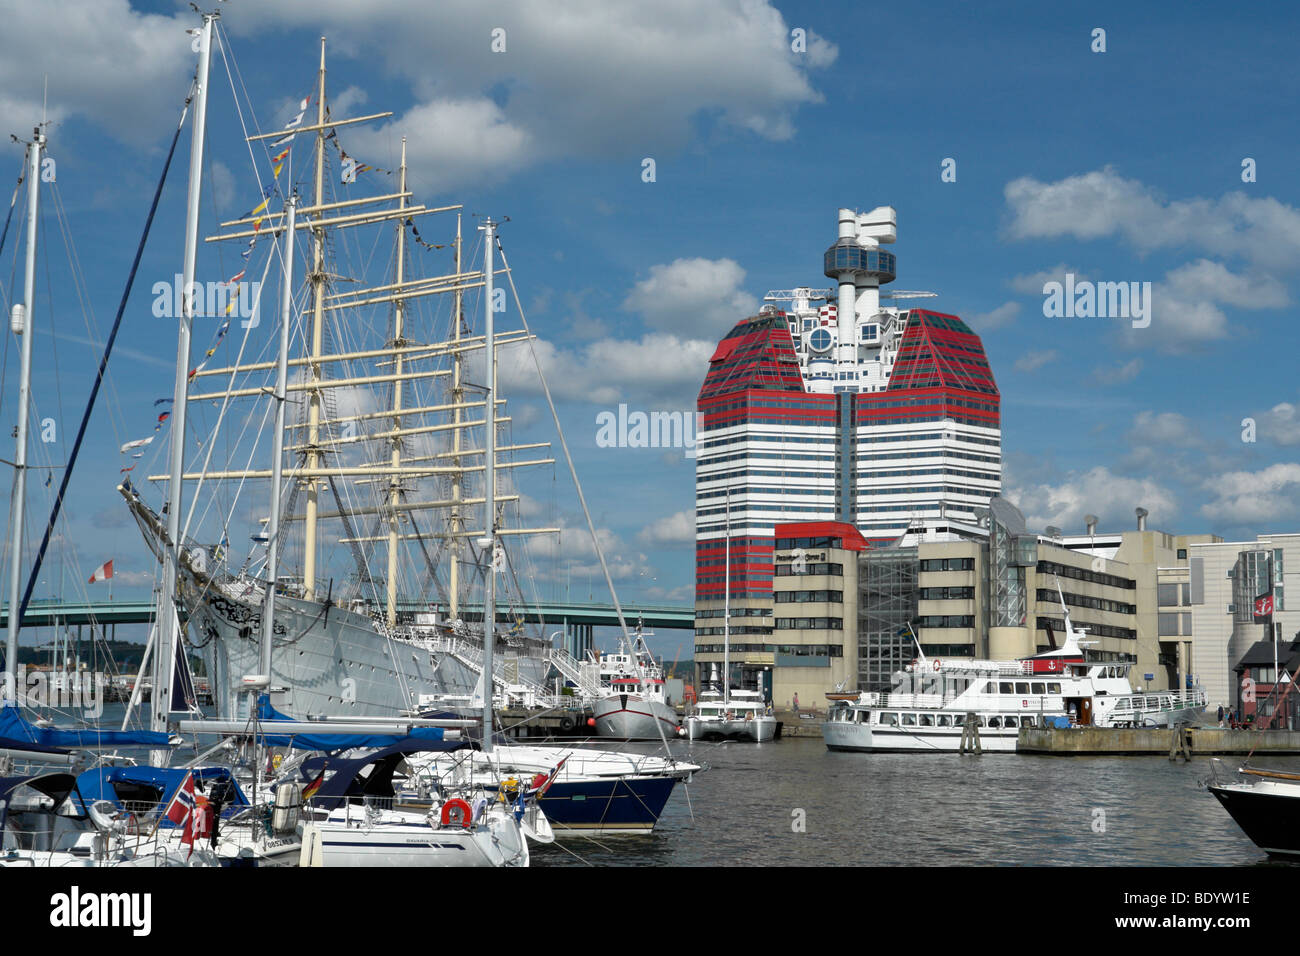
(839, 409)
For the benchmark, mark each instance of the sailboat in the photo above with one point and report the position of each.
(730, 714)
(361, 654)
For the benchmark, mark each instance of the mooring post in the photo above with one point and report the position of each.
(1181, 744)
(970, 735)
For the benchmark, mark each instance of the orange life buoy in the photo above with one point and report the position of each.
(456, 813)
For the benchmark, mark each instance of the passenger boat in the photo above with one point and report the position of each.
(930, 700)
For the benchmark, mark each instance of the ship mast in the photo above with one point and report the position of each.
(22, 325)
(454, 525)
(726, 614)
(317, 279)
(169, 636)
(488, 542)
(394, 481)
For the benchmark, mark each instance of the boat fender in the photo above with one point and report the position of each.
(288, 808)
(568, 722)
(456, 813)
(591, 721)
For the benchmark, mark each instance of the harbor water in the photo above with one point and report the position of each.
(928, 810)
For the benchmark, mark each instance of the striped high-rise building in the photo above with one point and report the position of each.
(836, 408)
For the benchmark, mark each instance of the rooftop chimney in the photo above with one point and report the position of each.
(1142, 518)
(1091, 522)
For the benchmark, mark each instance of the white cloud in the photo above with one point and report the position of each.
(657, 369)
(675, 530)
(701, 295)
(1164, 428)
(1102, 203)
(1034, 360)
(1260, 498)
(1119, 374)
(1281, 423)
(1097, 491)
(1003, 315)
(576, 78)
(106, 63)
(1185, 306)
(1032, 283)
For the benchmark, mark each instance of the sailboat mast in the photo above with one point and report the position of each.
(317, 278)
(489, 539)
(277, 450)
(399, 341)
(164, 661)
(726, 611)
(19, 504)
(457, 396)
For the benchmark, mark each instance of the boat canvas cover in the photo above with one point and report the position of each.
(13, 727)
(56, 786)
(347, 780)
(100, 784)
(329, 743)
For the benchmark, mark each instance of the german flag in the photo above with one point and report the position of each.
(312, 787)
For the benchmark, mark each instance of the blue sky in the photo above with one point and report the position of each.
(1123, 165)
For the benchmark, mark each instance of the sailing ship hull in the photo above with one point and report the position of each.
(330, 660)
(632, 717)
(1266, 812)
(759, 729)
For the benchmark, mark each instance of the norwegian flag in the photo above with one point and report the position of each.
(1264, 605)
(550, 779)
(198, 825)
(178, 811)
(102, 573)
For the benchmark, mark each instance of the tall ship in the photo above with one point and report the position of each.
(934, 703)
(388, 458)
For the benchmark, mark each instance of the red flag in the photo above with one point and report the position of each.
(199, 824)
(551, 778)
(178, 811)
(104, 571)
(1264, 605)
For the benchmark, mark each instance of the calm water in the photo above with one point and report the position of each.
(928, 809)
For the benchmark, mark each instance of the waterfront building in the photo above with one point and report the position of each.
(851, 411)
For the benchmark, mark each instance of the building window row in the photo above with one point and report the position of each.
(831, 568)
(1083, 574)
(948, 564)
(1049, 596)
(1094, 630)
(805, 597)
(948, 594)
(946, 620)
(809, 624)
(811, 650)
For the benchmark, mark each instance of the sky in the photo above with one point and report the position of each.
(663, 165)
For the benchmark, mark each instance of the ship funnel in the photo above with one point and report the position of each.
(1142, 518)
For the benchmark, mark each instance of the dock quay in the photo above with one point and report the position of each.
(1204, 741)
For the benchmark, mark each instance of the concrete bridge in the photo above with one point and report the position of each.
(571, 615)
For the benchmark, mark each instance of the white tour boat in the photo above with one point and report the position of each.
(927, 706)
(736, 715)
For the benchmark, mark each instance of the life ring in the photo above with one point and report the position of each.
(456, 813)
(936, 664)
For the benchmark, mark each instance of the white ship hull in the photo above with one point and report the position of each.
(841, 735)
(333, 662)
(632, 717)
